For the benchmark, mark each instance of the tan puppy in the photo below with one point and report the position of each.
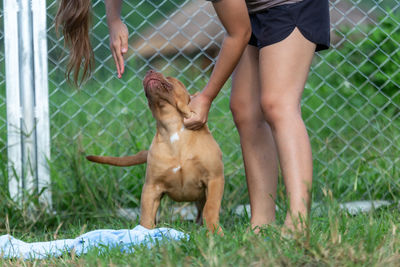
(183, 164)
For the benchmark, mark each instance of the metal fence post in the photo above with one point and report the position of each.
(14, 146)
(41, 97)
(27, 97)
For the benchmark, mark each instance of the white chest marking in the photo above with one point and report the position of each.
(174, 137)
(176, 169)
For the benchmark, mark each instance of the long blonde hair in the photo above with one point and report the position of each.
(75, 18)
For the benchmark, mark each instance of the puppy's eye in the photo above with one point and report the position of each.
(168, 86)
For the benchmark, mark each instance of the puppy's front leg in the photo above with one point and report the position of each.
(215, 190)
(149, 203)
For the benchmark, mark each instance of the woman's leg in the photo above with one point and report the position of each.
(284, 68)
(258, 147)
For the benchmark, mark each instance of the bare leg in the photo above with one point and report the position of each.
(258, 146)
(284, 68)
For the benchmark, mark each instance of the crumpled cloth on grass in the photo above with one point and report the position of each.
(11, 247)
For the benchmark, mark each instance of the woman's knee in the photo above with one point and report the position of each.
(243, 113)
(277, 110)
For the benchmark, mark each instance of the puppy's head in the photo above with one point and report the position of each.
(165, 92)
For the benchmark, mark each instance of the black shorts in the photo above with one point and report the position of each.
(273, 25)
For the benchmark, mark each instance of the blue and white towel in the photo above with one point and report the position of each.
(11, 247)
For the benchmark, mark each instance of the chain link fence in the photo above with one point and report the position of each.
(350, 104)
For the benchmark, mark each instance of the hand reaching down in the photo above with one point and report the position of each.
(118, 44)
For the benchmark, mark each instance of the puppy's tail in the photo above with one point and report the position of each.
(137, 159)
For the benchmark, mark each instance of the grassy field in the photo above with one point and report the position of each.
(350, 106)
(335, 239)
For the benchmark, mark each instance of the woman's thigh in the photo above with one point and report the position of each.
(284, 68)
(245, 95)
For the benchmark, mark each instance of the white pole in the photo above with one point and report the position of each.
(14, 146)
(42, 98)
(27, 98)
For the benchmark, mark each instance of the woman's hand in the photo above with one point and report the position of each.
(199, 106)
(118, 43)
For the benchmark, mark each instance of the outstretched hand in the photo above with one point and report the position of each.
(199, 106)
(118, 44)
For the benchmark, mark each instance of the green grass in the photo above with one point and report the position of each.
(335, 239)
(350, 106)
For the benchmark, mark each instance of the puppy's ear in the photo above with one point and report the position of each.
(182, 98)
(182, 101)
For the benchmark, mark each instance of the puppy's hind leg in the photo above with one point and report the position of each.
(200, 206)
